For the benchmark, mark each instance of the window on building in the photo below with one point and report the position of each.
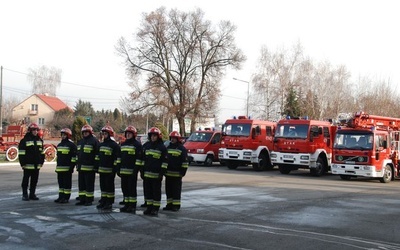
(41, 121)
(34, 107)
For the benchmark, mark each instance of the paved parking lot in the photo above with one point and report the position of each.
(221, 209)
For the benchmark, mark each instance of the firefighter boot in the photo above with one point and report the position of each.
(167, 207)
(125, 208)
(131, 208)
(60, 197)
(154, 211)
(148, 210)
(175, 208)
(25, 195)
(32, 196)
(82, 201)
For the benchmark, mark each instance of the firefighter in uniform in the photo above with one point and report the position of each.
(109, 159)
(31, 159)
(131, 161)
(87, 150)
(66, 160)
(177, 167)
(154, 167)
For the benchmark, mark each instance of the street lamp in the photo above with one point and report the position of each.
(248, 94)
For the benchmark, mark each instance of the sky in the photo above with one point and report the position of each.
(79, 37)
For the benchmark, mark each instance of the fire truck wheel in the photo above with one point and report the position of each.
(345, 177)
(387, 174)
(12, 153)
(284, 169)
(320, 168)
(209, 161)
(232, 165)
(263, 163)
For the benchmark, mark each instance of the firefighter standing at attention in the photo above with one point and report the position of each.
(177, 167)
(87, 151)
(66, 160)
(31, 159)
(109, 160)
(155, 165)
(131, 161)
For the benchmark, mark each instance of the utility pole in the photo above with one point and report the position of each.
(248, 94)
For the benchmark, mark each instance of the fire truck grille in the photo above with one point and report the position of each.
(353, 158)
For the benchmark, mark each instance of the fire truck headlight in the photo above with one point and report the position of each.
(200, 150)
(273, 155)
(334, 166)
(220, 152)
(246, 153)
(304, 157)
(369, 168)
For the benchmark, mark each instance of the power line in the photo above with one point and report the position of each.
(70, 83)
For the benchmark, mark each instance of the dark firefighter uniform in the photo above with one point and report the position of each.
(131, 162)
(109, 159)
(155, 165)
(177, 167)
(87, 150)
(31, 159)
(66, 160)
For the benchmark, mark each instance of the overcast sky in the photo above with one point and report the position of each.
(78, 37)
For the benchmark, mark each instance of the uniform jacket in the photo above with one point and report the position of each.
(31, 153)
(87, 150)
(131, 157)
(177, 160)
(155, 159)
(66, 156)
(109, 156)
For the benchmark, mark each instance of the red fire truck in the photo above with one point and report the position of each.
(247, 141)
(367, 146)
(303, 143)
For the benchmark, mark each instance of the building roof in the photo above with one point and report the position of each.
(53, 102)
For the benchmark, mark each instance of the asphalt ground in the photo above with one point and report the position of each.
(221, 209)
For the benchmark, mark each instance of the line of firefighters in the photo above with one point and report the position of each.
(153, 160)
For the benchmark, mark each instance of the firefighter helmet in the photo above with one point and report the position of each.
(87, 128)
(108, 129)
(175, 134)
(154, 131)
(131, 129)
(33, 126)
(67, 131)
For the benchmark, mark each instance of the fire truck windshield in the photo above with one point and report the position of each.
(237, 129)
(353, 140)
(200, 137)
(292, 131)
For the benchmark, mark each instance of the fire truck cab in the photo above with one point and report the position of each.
(367, 146)
(247, 141)
(303, 143)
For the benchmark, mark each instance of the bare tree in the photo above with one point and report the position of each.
(183, 58)
(8, 106)
(319, 87)
(278, 73)
(45, 80)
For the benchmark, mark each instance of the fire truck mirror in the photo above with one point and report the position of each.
(320, 130)
(258, 130)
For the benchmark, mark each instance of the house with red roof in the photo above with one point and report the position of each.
(38, 108)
